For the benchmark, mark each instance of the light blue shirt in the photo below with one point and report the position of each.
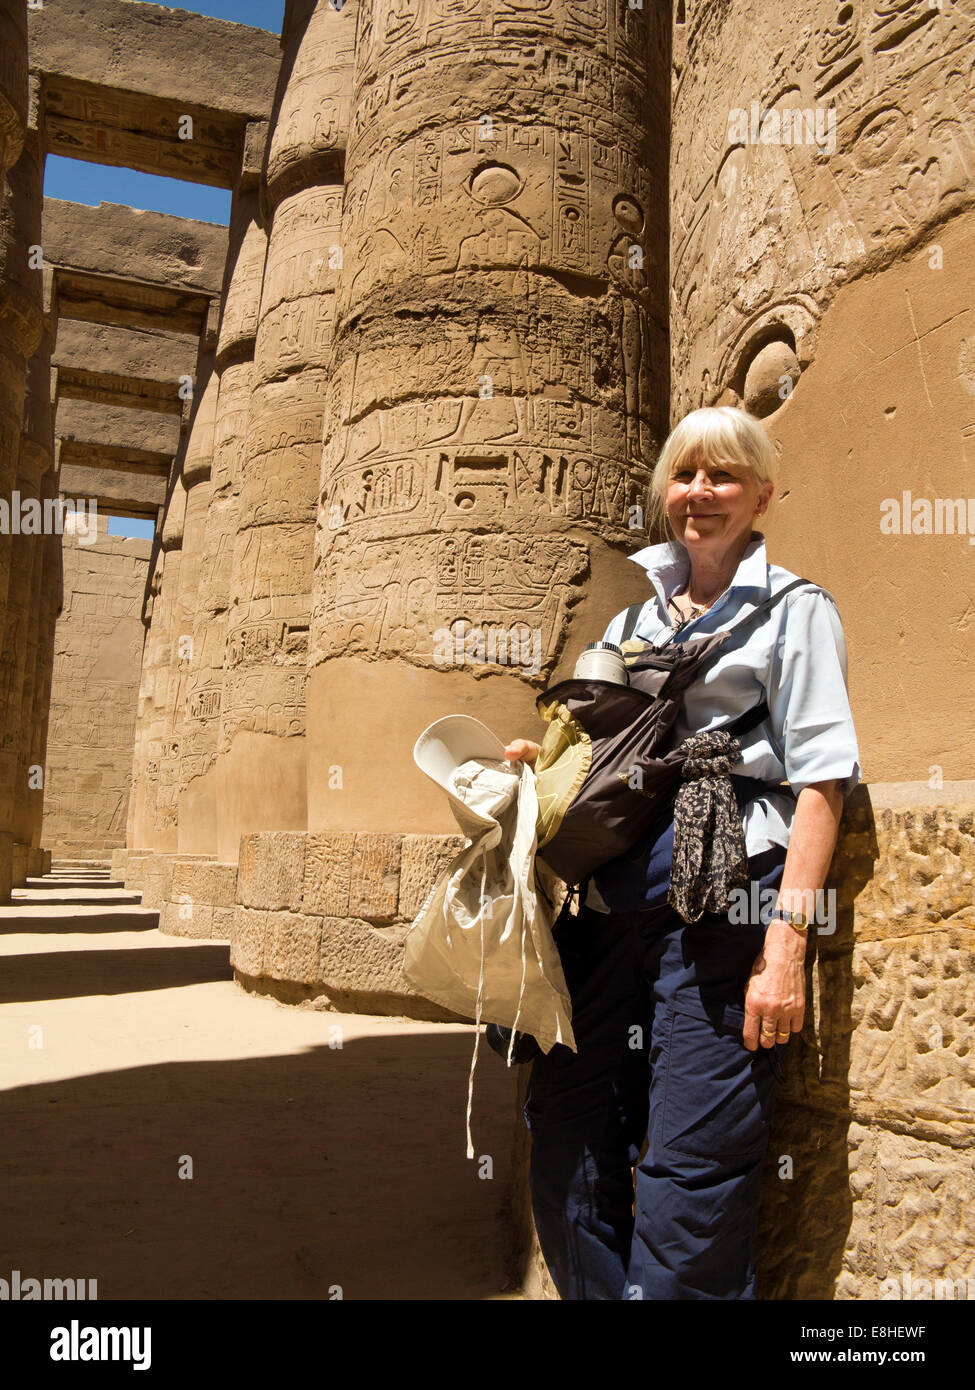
(794, 657)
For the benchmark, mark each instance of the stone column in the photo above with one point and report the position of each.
(262, 768)
(200, 807)
(499, 381)
(13, 80)
(35, 481)
(49, 608)
(497, 390)
(20, 335)
(134, 826)
(158, 674)
(195, 474)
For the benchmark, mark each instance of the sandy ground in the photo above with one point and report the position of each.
(315, 1167)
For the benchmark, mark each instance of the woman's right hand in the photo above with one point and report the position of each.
(523, 750)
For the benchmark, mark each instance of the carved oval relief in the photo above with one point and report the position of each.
(879, 138)
(628, 214)
(767, 375)
(494, 184)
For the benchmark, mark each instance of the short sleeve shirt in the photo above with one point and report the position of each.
(795, 658)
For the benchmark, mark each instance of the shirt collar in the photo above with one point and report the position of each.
(668, 567)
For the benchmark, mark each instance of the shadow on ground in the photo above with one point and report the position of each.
(334, 1166)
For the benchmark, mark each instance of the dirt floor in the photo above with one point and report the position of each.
(128, 1058)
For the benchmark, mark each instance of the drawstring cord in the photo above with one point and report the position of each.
(477, 1014)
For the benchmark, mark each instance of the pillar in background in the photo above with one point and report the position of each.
(263, 763)
(35, 480)
(195, 475)
(201, 806)
(50, 606)
(159, 673)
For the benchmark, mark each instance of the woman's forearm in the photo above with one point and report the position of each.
(814, 830)
(776, 989)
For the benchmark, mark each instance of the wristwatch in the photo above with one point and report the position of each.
(795, 919)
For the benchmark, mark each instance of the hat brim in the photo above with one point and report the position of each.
(448, 743)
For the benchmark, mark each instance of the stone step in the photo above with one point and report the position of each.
(52, 881)
(43, 897)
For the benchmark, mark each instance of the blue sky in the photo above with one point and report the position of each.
(130, 526)
(263, 14)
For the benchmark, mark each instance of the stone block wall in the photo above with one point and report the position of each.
(324, 916)
(97, 664)
(870, 1174)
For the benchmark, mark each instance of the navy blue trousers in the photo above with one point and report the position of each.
(658, 1012)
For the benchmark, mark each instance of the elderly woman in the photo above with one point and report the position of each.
(680, 1026)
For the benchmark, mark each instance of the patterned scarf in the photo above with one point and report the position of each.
(709, 842)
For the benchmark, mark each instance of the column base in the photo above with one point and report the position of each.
(200, 900)
(322, 918)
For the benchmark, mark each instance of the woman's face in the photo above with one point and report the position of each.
(707, 501)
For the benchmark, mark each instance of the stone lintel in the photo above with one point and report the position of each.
(132, 84)
(154, 248)
(117, 493)
(88, 421)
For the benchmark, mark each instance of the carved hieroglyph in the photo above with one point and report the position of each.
(310, 133)
(859, 135)
(499, 372)
(13, 80)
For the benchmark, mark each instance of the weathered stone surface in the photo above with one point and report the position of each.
(423, 860)
(888, 1035)
(292, 948)
(271, 870)
(97, 661)
(205, 881)
(247, 942)
(374, 882)
(151, 247)
(135, 865)
(186, 918)
(327, 873)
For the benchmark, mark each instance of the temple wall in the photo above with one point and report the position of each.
(825, 286)
(97, 663)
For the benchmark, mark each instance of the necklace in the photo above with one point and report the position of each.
(695, 609)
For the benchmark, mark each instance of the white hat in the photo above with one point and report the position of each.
(445, 746)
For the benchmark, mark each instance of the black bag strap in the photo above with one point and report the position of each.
(751, 718)
(629, 622)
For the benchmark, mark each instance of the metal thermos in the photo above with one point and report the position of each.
(602, 661)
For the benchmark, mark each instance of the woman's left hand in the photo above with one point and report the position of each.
(775, 1000)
